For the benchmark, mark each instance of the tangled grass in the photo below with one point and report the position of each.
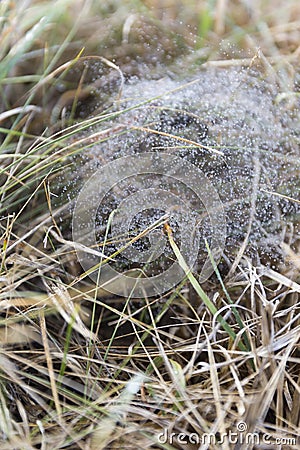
(81, 368)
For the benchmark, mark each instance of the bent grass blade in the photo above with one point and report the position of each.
(208, 303)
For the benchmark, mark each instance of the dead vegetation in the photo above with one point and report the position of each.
(83, 369)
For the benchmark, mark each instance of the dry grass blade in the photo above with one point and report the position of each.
(103, 432)
(210, 305)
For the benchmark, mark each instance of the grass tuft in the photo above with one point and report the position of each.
(81, 368)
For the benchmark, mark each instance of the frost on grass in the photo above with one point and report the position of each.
(232, 124)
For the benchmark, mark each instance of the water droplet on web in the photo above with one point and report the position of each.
(229, 111)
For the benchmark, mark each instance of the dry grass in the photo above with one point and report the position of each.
(82, 369)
